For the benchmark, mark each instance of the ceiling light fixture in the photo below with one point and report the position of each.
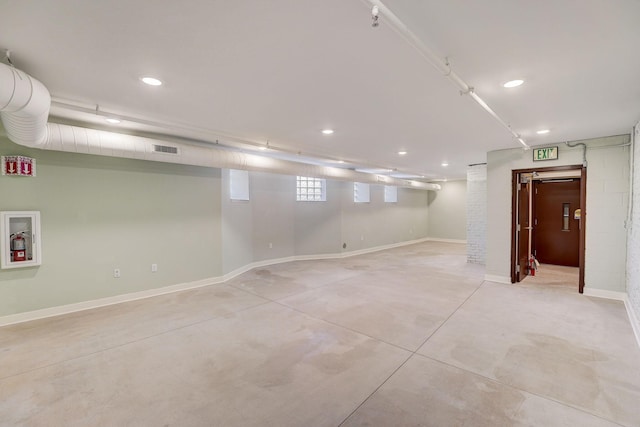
(542, 131)
(327, 131)
(112, 120)
(151, 81)
(445, 164)
(513, 83)
(402, 153)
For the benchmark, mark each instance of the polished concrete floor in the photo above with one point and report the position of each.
(406, 337)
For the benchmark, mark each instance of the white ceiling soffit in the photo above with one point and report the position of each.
(281, 71)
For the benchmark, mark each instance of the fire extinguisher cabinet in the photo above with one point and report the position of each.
(20, 239)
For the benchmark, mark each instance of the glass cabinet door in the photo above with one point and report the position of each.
(20, 239)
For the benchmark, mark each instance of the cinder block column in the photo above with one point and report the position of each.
(476, 213)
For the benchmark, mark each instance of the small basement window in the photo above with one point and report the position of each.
(309, 189)
(390, 194)
(238, 184)
(361, 192)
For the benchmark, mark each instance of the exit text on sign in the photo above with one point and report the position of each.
(547, 153)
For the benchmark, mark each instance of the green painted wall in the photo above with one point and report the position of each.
(448, 211)
(100, 213)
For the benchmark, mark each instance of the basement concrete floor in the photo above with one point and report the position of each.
(404, 337)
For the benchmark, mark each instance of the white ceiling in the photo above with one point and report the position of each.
(283, 70)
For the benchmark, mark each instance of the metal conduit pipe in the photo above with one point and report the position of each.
(442, 66)
(584, 150)
(24, 110)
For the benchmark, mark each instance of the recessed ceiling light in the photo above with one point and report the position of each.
(263, 148)
(151, 81)
(445, 164)
(341, 161)
(513, 83)
(402, 153)
(112, 120)
(542, 131)
(327, 131)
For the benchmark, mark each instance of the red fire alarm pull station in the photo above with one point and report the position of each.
(18, 166)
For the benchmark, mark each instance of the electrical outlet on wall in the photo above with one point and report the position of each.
(116, 273)
(154, 268)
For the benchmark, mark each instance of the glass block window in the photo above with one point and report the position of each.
(310, 189)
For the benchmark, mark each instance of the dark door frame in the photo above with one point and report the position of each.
(583, 211)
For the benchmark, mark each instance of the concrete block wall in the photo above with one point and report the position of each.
(476, 213)
(633, 248)
(607, 200)
(607, 206)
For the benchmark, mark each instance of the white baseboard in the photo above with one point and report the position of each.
(117, 299)
(603, 293)
(498, 279)
(257, 264)
(381, 248)
(618, 296)
(635, 322)
(102, 302)
(437, 239)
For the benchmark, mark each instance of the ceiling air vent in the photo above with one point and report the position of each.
(166, 149)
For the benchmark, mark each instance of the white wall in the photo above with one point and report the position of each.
(366, 225)
(273, 225)
(607, 201)
(318, 225)
(633, 244)
(448, 211)
(236, 228)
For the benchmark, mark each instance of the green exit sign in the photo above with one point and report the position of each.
(548, 153)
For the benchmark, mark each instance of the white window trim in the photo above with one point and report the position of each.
(238, 184)
(390, 194)
(361, 192)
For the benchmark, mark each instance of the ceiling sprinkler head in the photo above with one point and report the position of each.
(374, 16)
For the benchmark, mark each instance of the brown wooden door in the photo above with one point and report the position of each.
(523, 230)
(556, 237)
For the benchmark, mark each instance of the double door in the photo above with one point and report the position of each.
(548, 221)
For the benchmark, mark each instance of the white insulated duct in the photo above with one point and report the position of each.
(24, 106)
(24, 109)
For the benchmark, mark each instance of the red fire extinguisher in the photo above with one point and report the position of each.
(532, 266)
(18, 248)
